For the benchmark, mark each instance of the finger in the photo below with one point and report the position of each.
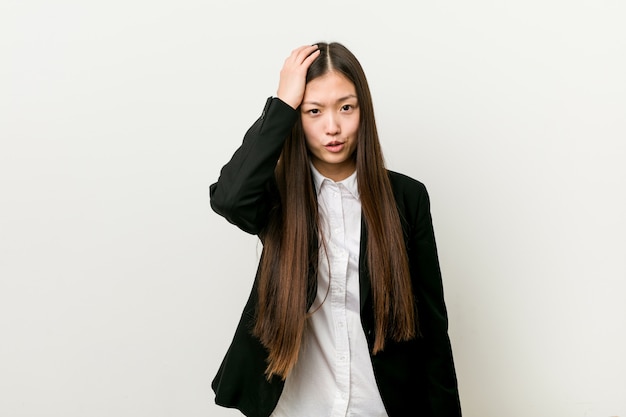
(306, 52)
(298, 55)
(312, 57)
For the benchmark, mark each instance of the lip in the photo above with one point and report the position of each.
(335, 146)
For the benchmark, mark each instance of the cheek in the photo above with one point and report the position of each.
(355, 125)
(308, 130)
(355, 128)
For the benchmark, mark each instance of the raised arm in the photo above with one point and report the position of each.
(242, 192)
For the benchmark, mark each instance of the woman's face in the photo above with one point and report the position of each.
(330, 120)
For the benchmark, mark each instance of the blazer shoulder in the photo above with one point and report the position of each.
(403, 184)
(411, 198)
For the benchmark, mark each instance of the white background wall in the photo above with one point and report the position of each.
(120, 289)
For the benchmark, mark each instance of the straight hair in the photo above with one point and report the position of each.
(289, 262)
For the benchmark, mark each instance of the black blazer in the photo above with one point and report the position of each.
(415, 378)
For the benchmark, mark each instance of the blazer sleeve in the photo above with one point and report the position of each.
(241, 193)
(432, 315)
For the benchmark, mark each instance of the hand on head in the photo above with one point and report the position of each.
(293, 74)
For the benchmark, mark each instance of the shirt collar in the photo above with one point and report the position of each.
(349, 183)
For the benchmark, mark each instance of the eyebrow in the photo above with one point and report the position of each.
(339, 100)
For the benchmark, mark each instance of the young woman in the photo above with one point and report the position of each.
(346, 316)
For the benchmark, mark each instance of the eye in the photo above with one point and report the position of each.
(313, 111)
(347, 107)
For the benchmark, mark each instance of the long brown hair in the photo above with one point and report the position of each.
(290, 241)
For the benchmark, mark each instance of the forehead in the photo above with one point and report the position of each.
(329, 87)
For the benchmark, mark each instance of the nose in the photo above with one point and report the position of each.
(332, 124)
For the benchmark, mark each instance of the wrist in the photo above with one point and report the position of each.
(288, 102)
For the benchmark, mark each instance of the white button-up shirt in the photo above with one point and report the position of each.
(333, 376)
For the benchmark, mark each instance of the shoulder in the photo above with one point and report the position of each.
(411, 197)
(413, 204)
(403, 184)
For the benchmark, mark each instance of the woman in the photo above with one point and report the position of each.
(346, 315)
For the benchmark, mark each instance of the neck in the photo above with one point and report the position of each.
(335, 172)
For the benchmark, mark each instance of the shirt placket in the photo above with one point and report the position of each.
(339, 266)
